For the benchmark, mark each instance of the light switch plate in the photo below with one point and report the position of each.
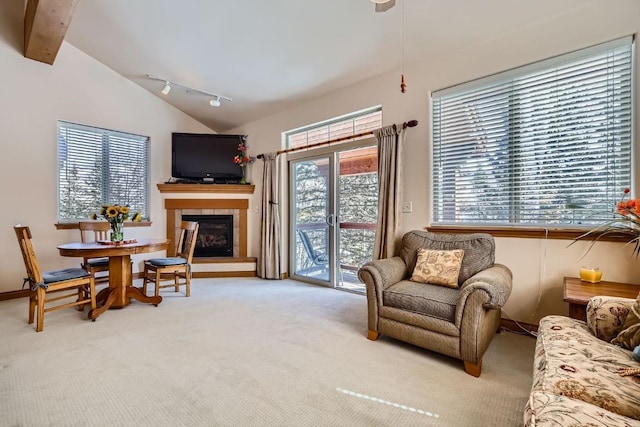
(407, 207)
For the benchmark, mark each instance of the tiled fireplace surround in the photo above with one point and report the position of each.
(175, 208)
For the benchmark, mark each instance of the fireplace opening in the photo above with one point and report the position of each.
(215, 235)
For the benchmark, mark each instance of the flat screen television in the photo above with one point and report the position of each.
(199, 157)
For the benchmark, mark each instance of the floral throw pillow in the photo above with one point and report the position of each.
(438, 267)
(629, 337)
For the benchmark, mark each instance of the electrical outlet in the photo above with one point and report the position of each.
(407, 207)
(256, 209)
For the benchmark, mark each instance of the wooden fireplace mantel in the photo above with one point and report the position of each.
(207, 188)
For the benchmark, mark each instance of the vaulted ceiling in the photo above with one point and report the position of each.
(268, 56)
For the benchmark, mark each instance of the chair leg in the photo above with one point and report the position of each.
(372, 335)
(473, 368)
(176, 283)
(32, 307)
(187, 279)
(144, 280)
(92, 291)
(157, 292)
(82, 296)
(40, 317)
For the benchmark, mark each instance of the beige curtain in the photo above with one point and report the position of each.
(269, 260)
(390, 141)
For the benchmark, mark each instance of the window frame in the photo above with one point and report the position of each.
(105, 135)
(328, 123)
(513, 228)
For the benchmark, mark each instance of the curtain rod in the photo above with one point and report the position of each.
(409, 124)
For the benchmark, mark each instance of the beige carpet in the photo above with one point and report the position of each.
(245, 352)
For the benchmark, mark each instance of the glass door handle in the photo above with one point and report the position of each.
(330, 220)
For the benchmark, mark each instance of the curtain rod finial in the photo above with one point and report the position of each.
(411, 124)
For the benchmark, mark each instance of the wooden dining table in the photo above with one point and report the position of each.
(121, 289)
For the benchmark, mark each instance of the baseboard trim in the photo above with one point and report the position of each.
(22, 293)
(512, 325)
(213, 274)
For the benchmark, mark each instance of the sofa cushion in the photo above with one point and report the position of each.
(438, 267)
(606, 316)
(429, 300)
(571, 362)
(629, 337)
(549, 409)
(479, 250)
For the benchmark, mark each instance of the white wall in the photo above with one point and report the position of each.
(538, 265)
(79, 89)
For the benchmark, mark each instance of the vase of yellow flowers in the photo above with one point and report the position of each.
(115, 215)
(242, 159)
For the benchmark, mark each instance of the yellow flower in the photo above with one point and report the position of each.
(137, 217)
(124, 210)
(112, 211)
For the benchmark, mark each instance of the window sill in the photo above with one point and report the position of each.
(74, 225)
(526, 232)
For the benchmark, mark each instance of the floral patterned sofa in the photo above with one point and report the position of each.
(578, 375)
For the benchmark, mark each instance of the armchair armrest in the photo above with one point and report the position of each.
(378, 275)
(383, 273)
(606, 316)
(496, 281)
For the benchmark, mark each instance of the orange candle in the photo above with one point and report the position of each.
(590, 274)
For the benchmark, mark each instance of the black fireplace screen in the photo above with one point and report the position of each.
(215, 235)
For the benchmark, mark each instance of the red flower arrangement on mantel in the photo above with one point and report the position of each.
(242, 159)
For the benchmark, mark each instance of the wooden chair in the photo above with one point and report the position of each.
(92, 231)
(178, 266)
(42, 284)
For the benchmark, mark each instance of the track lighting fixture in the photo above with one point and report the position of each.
(165, 90)
(214, 101)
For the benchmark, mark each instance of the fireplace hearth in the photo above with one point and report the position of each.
(215, 235)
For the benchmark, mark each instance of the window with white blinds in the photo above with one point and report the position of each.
(340, 127)
(544, 144)
(98, 166)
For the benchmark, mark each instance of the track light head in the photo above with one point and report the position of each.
(214, 101)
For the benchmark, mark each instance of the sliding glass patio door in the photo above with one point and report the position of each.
(333, 212)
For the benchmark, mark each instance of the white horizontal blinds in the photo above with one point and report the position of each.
(549, 144)
(98, 166)
(338, 128)
(128, 170)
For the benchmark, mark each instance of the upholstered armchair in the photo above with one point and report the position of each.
(458, 321)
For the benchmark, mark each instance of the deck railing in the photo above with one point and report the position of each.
(356, 243)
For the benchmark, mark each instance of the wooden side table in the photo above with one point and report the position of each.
(578, 293)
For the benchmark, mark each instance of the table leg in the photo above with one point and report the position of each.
(108, 296)
(121, 289)
(119, 277)
(138, 295)
(578, 311)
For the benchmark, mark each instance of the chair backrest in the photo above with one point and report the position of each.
(28, 254)
(479, 249)
(187, 243)
(315, 256)
(92, 231)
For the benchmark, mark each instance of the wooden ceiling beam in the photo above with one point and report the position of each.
(45, 25)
